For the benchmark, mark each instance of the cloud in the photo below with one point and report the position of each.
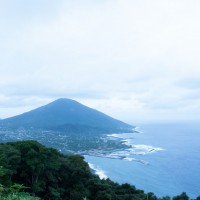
(136, 58)
(192, 83)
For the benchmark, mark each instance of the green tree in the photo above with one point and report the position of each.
(198, 198)
(182, 196)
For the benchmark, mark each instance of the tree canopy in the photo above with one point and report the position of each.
(48, 174)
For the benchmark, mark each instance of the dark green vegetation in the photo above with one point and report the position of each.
(48, 174)
(68, 116)
(14, 192)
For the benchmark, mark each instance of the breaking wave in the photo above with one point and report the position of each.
(96, 170)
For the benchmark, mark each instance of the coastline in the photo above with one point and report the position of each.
(96, 170)
(171, 169)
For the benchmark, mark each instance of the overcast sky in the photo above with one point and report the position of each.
(134, 60)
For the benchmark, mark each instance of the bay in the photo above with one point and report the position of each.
(170, 171)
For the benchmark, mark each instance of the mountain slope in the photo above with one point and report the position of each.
(62, 113)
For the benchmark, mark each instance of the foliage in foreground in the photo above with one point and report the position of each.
(13, 192)
(48, 174)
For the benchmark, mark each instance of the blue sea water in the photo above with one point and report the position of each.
(172, 168)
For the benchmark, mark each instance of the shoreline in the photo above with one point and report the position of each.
(96, 170)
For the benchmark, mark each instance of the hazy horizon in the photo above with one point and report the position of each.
(135, 61)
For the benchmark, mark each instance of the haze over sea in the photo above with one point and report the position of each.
(170, 152)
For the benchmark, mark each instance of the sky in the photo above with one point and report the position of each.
(133, 60)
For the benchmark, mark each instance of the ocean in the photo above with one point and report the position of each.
(163, 158)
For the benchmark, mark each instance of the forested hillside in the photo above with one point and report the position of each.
(48, 174)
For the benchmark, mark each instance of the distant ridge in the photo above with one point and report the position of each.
(64, 114)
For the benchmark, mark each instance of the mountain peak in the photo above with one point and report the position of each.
(64, 100)
(63, 112)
